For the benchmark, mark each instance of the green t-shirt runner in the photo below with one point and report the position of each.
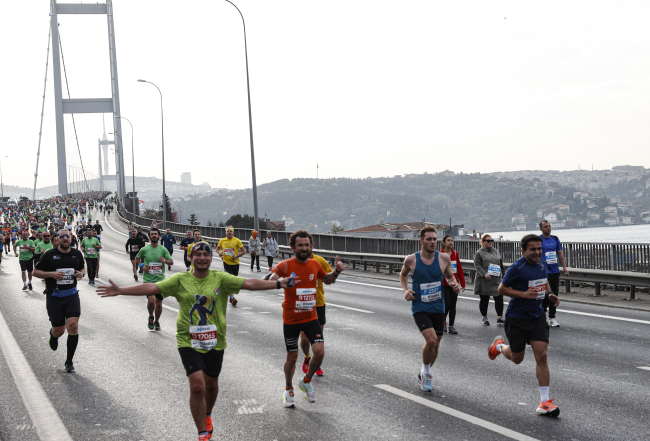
(90, 252)
(43, 246)
(201, 322)
(150, 256)
(24, 247)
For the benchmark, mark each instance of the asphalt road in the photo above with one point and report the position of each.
(130, 383)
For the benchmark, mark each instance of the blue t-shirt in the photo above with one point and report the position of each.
(168, 241)
(520, 276)
(550, 248)
(427, 284)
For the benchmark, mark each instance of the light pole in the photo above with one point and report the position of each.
(1, 181)
(162, 127)
(117, 169)
(250, 122)
(133, 166)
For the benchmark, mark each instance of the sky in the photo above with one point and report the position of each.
(359, 88)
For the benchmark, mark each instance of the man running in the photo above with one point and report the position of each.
(98, 229)
(61, 268)
(429, 268)
(201, 324)
(551, 254)
(144, 238)
(185, 243)
(230, 249)
(299, 313)
(90, 246)
(155, 257)
(27, 248)
(526, 282)
(168, 240)
(42, 247)
(133, 246)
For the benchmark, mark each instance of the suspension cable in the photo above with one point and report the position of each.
(40, 130)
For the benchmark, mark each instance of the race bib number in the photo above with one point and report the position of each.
(69, 276)
(203, 337)
(134, 248)
(494, 270)
(24, 248)
(430, 292)
(305, 299)
(155, 268)
(539, 286)
(91, 251)
(229, 252)
(454, 268)
(551, 257)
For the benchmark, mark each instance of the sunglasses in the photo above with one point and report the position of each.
(488, 241)
(64, 236)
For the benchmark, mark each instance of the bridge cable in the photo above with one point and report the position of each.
(40, 130)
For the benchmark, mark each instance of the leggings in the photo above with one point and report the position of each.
(270, 260)
(450, 304)
(554, 281)
(255, 258)
(91, 263)
(498, 305)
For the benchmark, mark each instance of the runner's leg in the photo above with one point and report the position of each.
(431, 345)
(542, 371)
(198, 399)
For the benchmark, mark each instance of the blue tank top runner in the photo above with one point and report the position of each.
(427, 284)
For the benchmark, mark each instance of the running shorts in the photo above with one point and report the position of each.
(522, 331)
(231, 269)
(320, 310)
(61, 308)
(27, 265)
(132, 256)
(426, 320)
(311, 329)
(194, 361)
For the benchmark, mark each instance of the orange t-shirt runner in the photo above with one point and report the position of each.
(300, 301)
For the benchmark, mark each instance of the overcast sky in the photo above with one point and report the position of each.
(362, 88)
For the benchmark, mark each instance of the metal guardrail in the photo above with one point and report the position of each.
(598, 277)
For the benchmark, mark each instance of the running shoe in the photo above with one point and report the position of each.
(69, 367)
(234, 301)
(554, 323)
(485, 321)
(156, 326)
(287, 398)
(230, 299)
(444, 327)
(492, 349)
(548, 408)
(259, 270)
(425, 382)
(169, 267)
(204, 436)
(135, 277)
(150, 323)
(452, 330)
(30, 286)
(501, 321)
(308, 389)
(320, 372)
(24, 287)
(305, 364)
(208, 426)
(54, 342)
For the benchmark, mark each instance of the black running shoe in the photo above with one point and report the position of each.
(69, 367)
(150, 323)
(156, 326)
(135, 277)
(25, 288)
(30, 286)
(54, 342)
(501, 321)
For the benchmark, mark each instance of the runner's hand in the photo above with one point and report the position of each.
(111, 290)
(162, 259)
(408, 295)
(284, 283)
(340, 267)
(530, 294)
(58, 275)
(555, 300)
(566, 272)
(456, 287)
(79, 275)
(145, 269)
(487, 277)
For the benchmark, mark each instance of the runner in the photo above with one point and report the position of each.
(133, 246)
(155, 257)
(98, 229)
(551, 254)
(429, 267)
(526, 283)
(255, 249)
(61, 268)
(168, 240)
(6, 232)
(144, 238)
(230, 249)
(299, 313)
(2, 244)
(201, 324)
(93, 234)
(185, 243)
(27, 248)
(450, 296)
(90, 247)
(42, 247)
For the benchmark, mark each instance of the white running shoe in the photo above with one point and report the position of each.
(554, 323)
(287, 398)
(425, 382)
(308, 389)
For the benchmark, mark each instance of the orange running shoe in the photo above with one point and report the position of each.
(203, 437)
(492, 349)
(208, 426)
(548, 408)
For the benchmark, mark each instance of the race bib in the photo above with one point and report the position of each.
(494, 270)
(91, 251)
(539, 286)
(454, 268)
(551, 257)
(155, 268)
(69, 276)
(305, 299)
(430, 292)
(134, 248)
(203, 337)
(24, 248)
(229, 252)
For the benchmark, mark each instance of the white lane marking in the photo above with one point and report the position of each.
(121, 252)
(111, 226)
(46, 420)
(457, 414)
(347, 307)
(171, 309)
(647, 368)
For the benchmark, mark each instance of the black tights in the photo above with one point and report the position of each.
(91, 263)
(498, 305)
(270, 260)
(450, 304)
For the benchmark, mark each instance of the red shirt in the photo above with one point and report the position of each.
(299, 304)
(460, 277)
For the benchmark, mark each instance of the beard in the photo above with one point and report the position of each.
(153, 240)
(64, 245)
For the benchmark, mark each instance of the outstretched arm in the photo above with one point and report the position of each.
(146, 289)
(263, 285)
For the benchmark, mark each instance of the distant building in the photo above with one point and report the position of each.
(625, 220)
(207, 185)
(288, 221)
(540, 213)
(521, 227)
(397, 230)
(611, 221)
(519, 219)
(582, 223)
(562, 208)
(551, 217)
(611, 210)
(275, 225)
(558, 224)
(592, 215)
(186, 178)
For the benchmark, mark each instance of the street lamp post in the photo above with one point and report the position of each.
(1, 181)
(117, 169)
(132, 165)
(250, 123)
(162, 127)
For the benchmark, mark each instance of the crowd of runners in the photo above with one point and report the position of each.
(56, 240)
